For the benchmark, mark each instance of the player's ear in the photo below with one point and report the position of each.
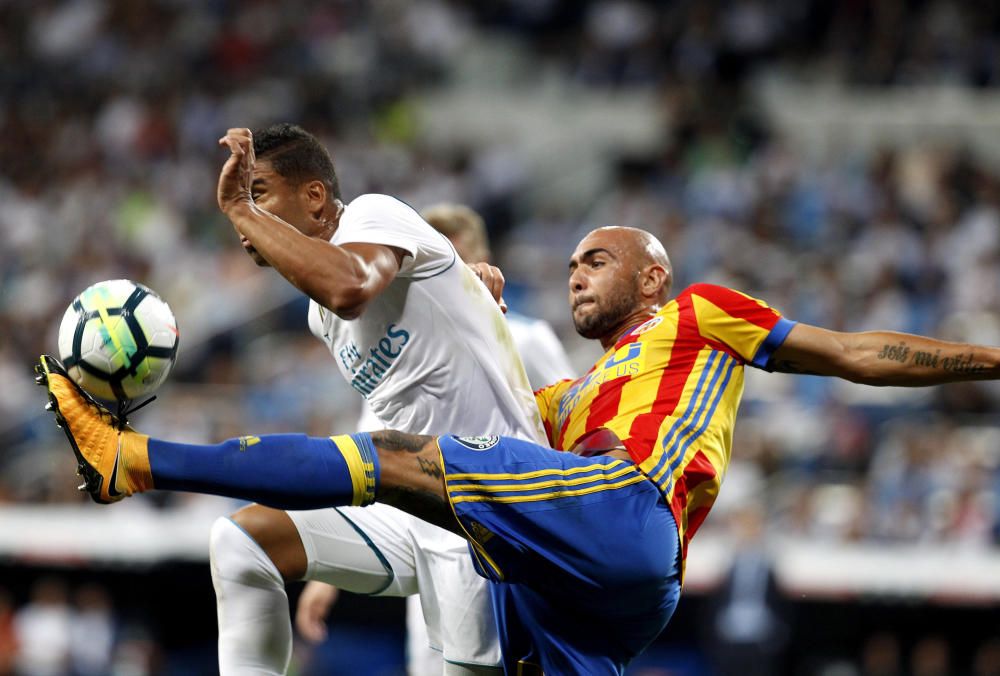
(315, 193)
(654, 281)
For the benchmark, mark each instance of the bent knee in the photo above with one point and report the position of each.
(270, 530)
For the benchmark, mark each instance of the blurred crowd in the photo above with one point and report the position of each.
(109, 115)
(110, 111)
(59, 630)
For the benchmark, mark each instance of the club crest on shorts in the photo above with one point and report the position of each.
(479, 443)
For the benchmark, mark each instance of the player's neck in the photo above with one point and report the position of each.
(330, 219)
(630, 322)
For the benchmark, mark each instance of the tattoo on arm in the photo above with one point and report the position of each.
(787, 366)
(895, 352)
(962, 363)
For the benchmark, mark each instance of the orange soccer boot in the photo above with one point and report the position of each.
(112, 458)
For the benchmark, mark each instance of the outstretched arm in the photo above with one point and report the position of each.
(883, 357)
(343, 279)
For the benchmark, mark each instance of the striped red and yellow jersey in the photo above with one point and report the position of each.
(669, 389)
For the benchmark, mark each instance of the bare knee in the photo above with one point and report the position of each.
(275, 532)
(411, 477)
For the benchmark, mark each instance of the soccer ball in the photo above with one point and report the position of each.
(118, 340)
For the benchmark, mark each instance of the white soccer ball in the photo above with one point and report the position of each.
(118, 340)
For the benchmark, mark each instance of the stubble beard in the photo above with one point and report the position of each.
(609, 315)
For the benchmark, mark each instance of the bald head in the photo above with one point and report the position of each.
(637, 249)
(618, 278)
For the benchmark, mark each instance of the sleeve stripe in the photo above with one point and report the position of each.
(736, 304)
(772, 342)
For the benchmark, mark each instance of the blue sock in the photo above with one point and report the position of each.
(285, 471)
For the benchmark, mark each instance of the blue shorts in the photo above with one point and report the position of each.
(583, 552)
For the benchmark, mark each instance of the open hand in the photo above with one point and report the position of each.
(493, 279)
(315, 602)
(236, 176)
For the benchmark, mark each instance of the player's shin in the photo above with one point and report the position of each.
(255, 634)
(286, 471)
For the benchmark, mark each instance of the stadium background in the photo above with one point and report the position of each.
(837, 158)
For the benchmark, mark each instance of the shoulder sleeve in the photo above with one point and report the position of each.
(747, 326)
(381, 219)
(315, 318)
(547, 399)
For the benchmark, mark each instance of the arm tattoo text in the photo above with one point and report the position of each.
(959, 363)
(895, 352)
(962, 363)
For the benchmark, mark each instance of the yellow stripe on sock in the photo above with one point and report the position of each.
(357, 468)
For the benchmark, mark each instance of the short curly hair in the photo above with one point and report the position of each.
(296, 155)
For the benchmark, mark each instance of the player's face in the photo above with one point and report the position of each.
(273, 193)
(603, 285)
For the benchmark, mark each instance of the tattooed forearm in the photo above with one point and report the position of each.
(391, 440)
(895, 352)
(962, 363)
(959, 363)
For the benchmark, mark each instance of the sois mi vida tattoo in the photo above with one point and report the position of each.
(959, 363)
(895, 352)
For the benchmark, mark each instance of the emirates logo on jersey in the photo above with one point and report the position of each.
(369, 366)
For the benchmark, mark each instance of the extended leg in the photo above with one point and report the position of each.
(285, 471)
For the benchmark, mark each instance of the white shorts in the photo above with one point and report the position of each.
(382, 551)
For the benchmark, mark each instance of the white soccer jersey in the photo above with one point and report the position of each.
(545, 360)
(432, 353)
